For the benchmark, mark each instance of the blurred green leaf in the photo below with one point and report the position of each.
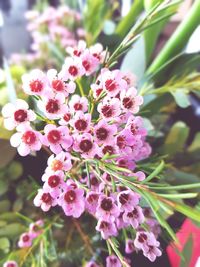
(14, 170)
(4, 206)
(195, 144)
(12, 230)
(4, 134)
(18, 205)
(181, 98)
(135, 60)
(4, 244)
(176, 139)
(3, 186)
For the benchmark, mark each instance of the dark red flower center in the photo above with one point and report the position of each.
(121, 141)
(106, 204)
(85, 145)
(58, 85)
(20, 115)
(70, 196)
(52, 106)
(102, 133)
(92, 198)
(73, 70)
(78, 106)
(107, 111)
(94, 181)
(77, 53)
(29, 138)
(98, 91)
(134, 128)
(11, 265)
(133, 213)
(108, 149)
(127, 102)
(36, 86)
(110, 85)
(80, 125)
(113, 260)
(96, 55)
(142, 238)
(104, 225)
(46, 198)
(67, 117)
(54, 136)
(26, 238)
(123, 198)
(86, 64)
(54, 181)
(122, 163)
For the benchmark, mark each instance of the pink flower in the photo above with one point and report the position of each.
(134, 217)
(104, 133)
(130, 78)
(54, 183)
(44, 200)
(65, 118)
(112, 81)
(10, 264)
(135, 124)
(98, 52)
(107, 209)
(91, 201)
(35, 83)
(81, 122)
(60, 162)
(97, 90)
(113, 261)
(124, 140)
(130, 101)
(53, 106)
(78, 50)
(25, 240)
(72, 201)
(129, 248)
(127, 200)
(107, 229)
(152, 253)
(85, 145)
(145, 239)
(58, 85)
(89, 62)
(57, 138)
(26, 140)
(120, 223)
(17, 114)
(78, 103)
(109, 108)
(126, 162)
(72, 69)
(35, 229)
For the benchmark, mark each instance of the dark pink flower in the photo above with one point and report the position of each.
(113, 261)
(134, 217)
(106, 228)
(127, 200)
(107, 210)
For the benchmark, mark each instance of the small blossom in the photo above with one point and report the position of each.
(106, 228)
(72, 201)
(109, 108)
(134, 217)
(104, 132)
(92, 264)
(58, 85)
(35, 229)
(72, 69)
(17, 114)
(54, 183)
(78, 103)
(60, 162)
(26, 140)
(107, 209)
(44, 200)
(130, 101)
(91, 201)
(35, 83)
(113, 261)
(25, 240)
(57, 138)
(89, 62)
(127, 200)
(10, 264)
(152, 253)
(81, 122)
(129, 248)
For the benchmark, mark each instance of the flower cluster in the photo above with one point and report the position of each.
(84, 134)
(59, 26)
(35, 229)
(26, 239)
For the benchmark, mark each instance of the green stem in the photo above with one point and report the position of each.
(78, 81)
(179, 39)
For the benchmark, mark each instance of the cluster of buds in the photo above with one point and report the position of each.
(81, 133)
(26, 239)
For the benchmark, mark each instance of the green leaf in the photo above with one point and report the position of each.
(181, 98)
(195, 144)
(4, 134)
(135, 60)
(127, 22)
(188, 211)
(158, 169)
(4, 244)
(187, 253)
(176, 138)
(15, 170)
(12, 230)
(4, 206)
